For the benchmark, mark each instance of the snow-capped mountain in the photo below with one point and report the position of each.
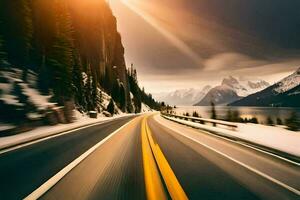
(283, 93)
(220, 95)
(289, 82)
(243, 86)
(232, 89)
(183, 97)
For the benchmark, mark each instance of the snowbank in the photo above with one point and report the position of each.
(275, 138)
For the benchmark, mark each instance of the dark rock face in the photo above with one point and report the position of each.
(98, 40)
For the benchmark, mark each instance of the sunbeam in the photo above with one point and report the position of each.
(185, 49)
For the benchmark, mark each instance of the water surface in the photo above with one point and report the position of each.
(261, 113)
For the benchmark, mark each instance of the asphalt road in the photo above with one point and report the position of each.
(206, 174)
(149, 158)
(25, 169)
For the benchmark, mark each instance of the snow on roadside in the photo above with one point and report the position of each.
(4, 127)
(12, 79)
(46, 131)
(269, 136)
(145, 108)
(40, 101)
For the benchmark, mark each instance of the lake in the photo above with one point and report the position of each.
(261, 113)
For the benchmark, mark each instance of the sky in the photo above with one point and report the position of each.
(177, 44)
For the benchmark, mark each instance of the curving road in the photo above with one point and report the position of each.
(149, 157)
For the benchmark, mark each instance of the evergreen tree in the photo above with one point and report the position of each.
(229, 115)
(213, 111)
(195, 114)
(111, 107)
(253, 120)
(44, 77)
(122, 97)
(3, 56)
(270, 121)
(78, 84)
(106, 81)
(293, 122)
(88, 92)
(115, 91)
(60, 59)
(17, 30)
(137, 103)
(279, 121)
(96, 95)
(236, 116)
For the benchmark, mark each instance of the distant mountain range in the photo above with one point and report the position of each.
(285, 93)
(239, 92)
(183, 97)
(232, 89)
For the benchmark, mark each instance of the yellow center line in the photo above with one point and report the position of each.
(153, 183)
(174, 188)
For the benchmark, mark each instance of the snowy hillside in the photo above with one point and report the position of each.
(146, 108)
(289, 82)
(183, 96)
(21, 102)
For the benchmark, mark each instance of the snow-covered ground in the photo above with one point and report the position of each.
(272, 137)
(4, 127)
(45, 131)
(38, 100)
(13, 81)
(145, 108)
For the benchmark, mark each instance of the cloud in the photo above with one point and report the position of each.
(229, 61)
(232, 63)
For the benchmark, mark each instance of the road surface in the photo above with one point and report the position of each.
(149, 157)
(25, 169)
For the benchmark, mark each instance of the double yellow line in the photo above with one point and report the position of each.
(155, 166)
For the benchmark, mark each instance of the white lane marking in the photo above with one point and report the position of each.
(243, 144)
(57, 177)
(53, 136)
(291, 189)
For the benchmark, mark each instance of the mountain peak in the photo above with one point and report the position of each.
(229, 81)
(182, 97)
(232, 89)
(244, 86)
